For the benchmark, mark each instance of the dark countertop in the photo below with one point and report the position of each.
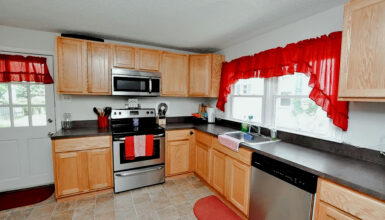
(360, 175)
(81, 132)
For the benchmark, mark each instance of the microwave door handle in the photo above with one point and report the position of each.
(150, 85)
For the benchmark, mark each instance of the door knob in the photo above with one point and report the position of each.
(50, 120)
(50, 134)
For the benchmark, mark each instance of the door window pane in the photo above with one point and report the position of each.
(5, 119)
(301, 114)
(4, 94)
(20, 116)
(19, 94)
(253, 86)
(37, 95)
(243, 107)
(39, 116)
(296, 84)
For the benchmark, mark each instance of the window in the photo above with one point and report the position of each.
(282, 103)
(247, 100)
(22, 105)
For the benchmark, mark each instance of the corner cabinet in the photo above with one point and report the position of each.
(82, 165)
(83, 67)
(362, 74)
(204, 74)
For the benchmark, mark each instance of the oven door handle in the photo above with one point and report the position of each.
(123, 138)
(131, 173)
(150, 85)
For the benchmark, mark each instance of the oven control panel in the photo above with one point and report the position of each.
(133, 113)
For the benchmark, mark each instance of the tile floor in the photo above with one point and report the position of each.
(173, 200)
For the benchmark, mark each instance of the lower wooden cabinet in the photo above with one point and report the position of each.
(202, 167)
(179, 152)
(218, 171)
(341, 203)
(81, 167)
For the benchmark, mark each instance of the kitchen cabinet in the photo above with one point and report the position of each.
(334, 201)
(82, 165)
(83, 67)
(123, 56)
(147, 59)
(238, 184)
(71, 66)
(98, 74)
(179, 152)
(202, 161)
(362, 73)
(174, 69)
(218, 171)
(204, 74)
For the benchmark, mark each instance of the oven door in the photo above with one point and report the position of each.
(135, 85)
(120, 162)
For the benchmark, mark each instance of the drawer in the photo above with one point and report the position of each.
(243, 154)
(84, 143)
(178, 135)
(350, 201)
(203, 138)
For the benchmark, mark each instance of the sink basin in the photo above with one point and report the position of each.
(253, 138)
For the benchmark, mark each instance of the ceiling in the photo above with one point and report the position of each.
(194, 25)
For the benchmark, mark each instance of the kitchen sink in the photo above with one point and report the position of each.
(253, 138)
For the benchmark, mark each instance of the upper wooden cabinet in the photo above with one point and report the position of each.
(98, 74)
(204, 74)
(147, 59)
(83, 67)
(71, 66)
(174, 69)
(362, 75)
(123, 56)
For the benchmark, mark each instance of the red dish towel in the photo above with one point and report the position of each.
(139, 146)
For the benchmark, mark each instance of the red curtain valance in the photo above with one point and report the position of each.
(319, 58)
(16, 68)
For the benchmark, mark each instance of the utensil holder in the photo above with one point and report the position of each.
(103, 122)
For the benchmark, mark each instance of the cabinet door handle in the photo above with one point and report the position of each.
(191, 133)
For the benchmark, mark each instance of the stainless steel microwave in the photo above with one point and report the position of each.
(128, 82)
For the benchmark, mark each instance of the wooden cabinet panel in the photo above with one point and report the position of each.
(202, 161)
(146, 59)
(349, 201)
(200, 75)
(123, 56)
(99, 168)
(216, 71)
(178, 135)
(362, 75)
(98, 75)
(71, 55)
(218, 171)
(83, 143)
(243, 154)
(328, 212)
(174, 69)
(238, 184)
(178, 157)
(69, 171)
(203, 138)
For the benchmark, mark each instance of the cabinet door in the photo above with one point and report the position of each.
(71, 173)
(123, 56)
(218, 171)
(328, 212)
(71, 55)
(178, 157)
(202, 164)
(200, 75)
(362, 72)
(216, 71)
(147, 59)
(174, 68)
(99, 168)
(98, 76)
(238, 184)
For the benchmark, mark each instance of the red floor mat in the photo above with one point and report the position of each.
(23, 197)
(210, 208)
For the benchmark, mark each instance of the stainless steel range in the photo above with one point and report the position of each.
(140, 171)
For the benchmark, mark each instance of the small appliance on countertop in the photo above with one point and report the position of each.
(210, 115)
(162, 109)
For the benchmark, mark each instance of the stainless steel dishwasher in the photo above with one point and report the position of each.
(280, 191)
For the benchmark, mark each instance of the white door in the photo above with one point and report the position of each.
(27, 115)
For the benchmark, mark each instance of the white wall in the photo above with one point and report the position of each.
(366, 120)
(23, 40)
